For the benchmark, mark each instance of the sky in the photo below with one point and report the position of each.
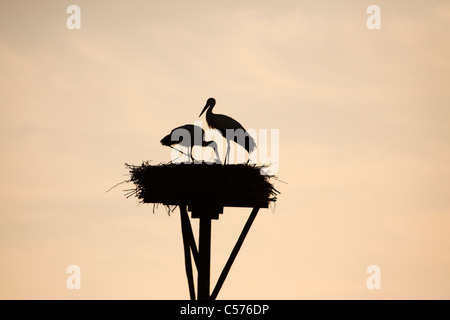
(364, 145)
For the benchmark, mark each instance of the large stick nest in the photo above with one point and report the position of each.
(240, 185)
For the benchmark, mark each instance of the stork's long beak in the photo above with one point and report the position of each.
(204, 109)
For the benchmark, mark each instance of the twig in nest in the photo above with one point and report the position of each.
(117, 184)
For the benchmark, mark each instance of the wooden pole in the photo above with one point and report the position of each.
(234, 253)
(204, 266)
(185, 228)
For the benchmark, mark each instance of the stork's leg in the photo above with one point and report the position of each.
(188, 154)
(192, 158)
(227, 155)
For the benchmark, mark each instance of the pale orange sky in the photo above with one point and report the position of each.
(364, 145)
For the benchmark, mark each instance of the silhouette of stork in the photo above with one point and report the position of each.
(188, 136)
(223, 123)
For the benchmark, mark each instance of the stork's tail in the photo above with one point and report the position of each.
(250, 144)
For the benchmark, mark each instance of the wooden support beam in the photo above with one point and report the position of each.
(204, 266)
(234, 253)
(185, 229)
(189, 234)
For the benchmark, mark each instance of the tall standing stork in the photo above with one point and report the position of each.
(229, 128)
(188, 136)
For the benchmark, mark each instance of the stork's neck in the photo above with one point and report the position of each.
(209, 115)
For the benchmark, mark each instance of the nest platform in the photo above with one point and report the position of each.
(202, 184)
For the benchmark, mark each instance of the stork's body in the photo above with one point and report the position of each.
(230, 129)
(188, 136)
